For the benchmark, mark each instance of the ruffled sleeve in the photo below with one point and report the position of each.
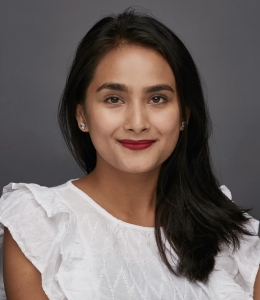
(46, 231)
(234, 273)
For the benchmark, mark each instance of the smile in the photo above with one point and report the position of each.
(136, 145)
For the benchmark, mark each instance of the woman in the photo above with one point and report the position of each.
(149, 220)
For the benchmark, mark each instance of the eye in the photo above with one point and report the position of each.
(158, 99)
(113, 100)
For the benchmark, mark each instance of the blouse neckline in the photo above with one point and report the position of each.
(103, 211)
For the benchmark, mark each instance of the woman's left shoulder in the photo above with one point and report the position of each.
(235, 271)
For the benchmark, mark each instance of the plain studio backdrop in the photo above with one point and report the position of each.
(39, 39)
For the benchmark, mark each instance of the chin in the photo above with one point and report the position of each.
(138, 169)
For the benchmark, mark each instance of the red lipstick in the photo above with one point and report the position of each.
(136, 145)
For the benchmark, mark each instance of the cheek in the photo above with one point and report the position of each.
(169, 128)
(100, 126)
(168, 123)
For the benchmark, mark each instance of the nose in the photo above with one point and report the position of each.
(137, 118)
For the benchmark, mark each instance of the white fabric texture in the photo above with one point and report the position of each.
(84, 253)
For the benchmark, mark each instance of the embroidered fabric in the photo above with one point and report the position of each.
(85, 253)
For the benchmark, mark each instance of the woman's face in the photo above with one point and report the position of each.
(132, 110)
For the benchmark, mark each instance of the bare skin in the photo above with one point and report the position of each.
(22, 280)
(135, 193)
(124, 181)
(257, 286)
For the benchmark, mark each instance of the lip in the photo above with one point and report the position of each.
(136, 144)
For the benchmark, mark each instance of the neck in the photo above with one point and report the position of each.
(130, 197)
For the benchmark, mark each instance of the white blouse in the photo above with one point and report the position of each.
(84, 253)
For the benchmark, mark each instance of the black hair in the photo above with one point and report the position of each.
(196, 217)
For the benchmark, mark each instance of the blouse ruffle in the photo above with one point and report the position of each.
(235, 272)
(47, 232)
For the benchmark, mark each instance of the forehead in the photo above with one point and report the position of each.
(135, 66)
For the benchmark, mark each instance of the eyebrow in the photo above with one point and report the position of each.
(123, 88)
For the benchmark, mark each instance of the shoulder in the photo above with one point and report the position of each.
(235, 272)
(44, 228)
(226, 191)
(23, 198)
(34, 215)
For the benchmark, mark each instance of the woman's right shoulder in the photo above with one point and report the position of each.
(24, 195)
(45, 229)
(29, 200)
(34, 215)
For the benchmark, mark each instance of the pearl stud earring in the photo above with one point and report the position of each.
(82, 126)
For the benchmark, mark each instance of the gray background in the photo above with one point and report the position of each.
(38, 40)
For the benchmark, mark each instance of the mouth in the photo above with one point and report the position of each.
(136, 144)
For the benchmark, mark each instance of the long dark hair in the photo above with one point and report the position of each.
(196, 217)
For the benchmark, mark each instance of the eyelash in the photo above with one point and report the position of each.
(156, 96)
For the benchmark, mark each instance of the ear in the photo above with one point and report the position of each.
(80, 116)
(187, 113)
